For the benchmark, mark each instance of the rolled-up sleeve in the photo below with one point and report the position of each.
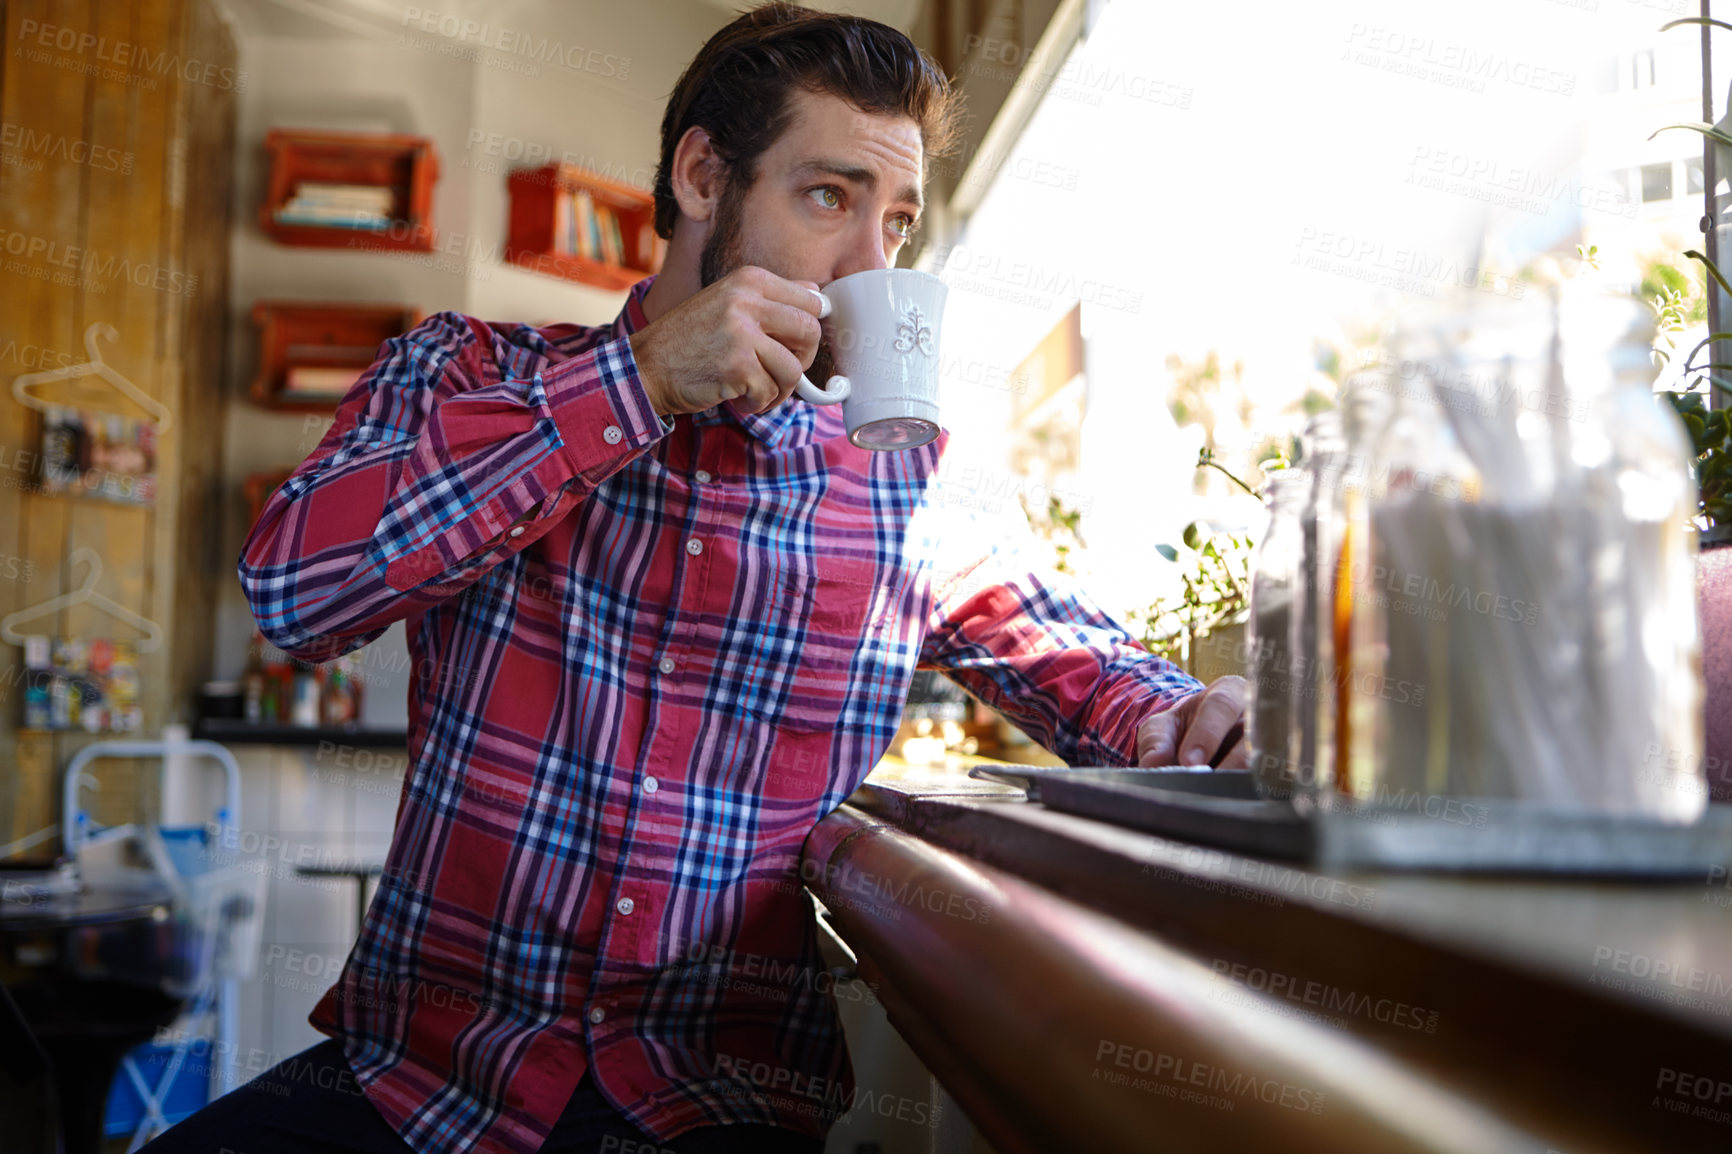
(441, 464)
(1028, 641)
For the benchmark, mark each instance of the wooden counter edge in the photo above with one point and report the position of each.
(982, 971)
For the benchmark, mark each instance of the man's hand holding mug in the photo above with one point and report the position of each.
(749, 337)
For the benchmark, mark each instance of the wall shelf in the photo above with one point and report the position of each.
(233, 732)
(548, 232)
(331, 340)
(402, 167)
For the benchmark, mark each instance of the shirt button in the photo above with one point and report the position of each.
(650, 785)
(517, 532)
(597, 1014)
(666, 665)
(625, 906)
(694, 546)
(612, 434)
(703, 477)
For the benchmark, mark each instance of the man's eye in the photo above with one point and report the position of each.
(902, 226)
(828, 196)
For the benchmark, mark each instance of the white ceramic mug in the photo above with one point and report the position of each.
(882, 327)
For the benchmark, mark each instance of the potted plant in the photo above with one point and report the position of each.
(1676, 307)
(1710, 429)
(1202, 628)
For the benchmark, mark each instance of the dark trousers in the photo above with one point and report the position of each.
(324, 1112)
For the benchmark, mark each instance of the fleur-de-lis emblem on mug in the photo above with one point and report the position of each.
(914, 331)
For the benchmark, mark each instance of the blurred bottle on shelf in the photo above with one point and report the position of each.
(253, 682)
(340, 690)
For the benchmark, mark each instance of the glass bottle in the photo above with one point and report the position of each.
(1271, 633)
(1323, 453)
(1520, 612)
(1642, 644)
(1399, 560)
(253, 682)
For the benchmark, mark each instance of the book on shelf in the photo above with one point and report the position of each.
(586, 226)
(363, 206)
(319, 382)
(367, 222)
(588, 243)
(619, 239)
(610, 246)
(602, 246)
(375, 196)
(597, 247)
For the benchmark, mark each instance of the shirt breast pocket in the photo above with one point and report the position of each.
(831, 606)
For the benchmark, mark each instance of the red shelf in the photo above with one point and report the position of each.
(533, 244)
(294, 334)
(407, 165)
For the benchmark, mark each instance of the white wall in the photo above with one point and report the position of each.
(632, 56)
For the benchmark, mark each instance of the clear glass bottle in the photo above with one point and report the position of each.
(253, 682)
(1323, 457)
(1642, 645)
(1519, 609)
(1395, 639)
(1274, 676)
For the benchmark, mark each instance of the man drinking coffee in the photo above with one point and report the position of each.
(663, 619)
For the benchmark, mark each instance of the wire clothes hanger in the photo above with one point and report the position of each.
(85, 594)
(97, 367)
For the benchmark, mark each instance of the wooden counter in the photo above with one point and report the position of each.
(1077, 986)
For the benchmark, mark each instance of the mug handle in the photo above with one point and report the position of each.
(837, 391)
(837, 387)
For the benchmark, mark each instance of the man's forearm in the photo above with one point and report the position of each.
(1060, 668)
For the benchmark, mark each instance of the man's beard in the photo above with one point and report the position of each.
(724, 252)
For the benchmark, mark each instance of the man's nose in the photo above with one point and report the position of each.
(865, 251)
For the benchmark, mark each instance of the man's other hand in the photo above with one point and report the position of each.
(748, 337)
(1192, 732)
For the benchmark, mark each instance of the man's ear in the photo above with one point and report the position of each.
(697, 176)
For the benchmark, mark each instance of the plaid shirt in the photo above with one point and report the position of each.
(649, 655)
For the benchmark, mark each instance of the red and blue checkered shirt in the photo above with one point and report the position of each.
(649, 656)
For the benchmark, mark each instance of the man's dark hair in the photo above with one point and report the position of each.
(739, 85)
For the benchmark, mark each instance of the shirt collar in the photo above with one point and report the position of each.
(770, 427)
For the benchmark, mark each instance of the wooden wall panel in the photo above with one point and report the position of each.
(209, 127)
(41, 201)
(141, 105)
(155, 149)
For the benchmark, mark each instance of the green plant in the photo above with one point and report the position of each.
(1276, 461)
(1710, 427)
(1060, 526)
(1675, 310)
(1709, 439)
(1215, 572)
(1214, 575)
